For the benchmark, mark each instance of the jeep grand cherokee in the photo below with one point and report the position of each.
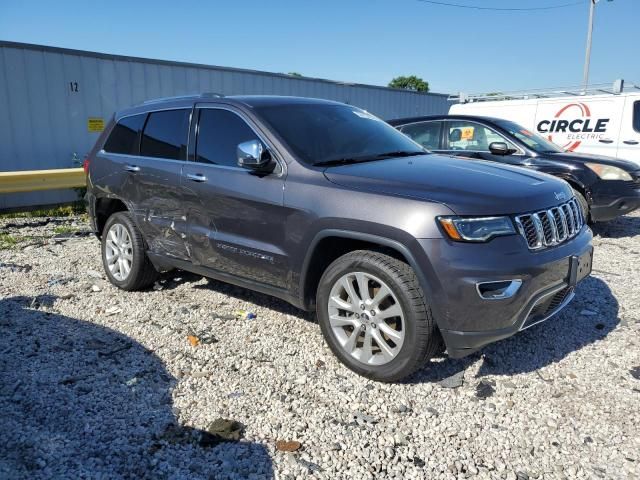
(322, 204)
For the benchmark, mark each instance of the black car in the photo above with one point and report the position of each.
(605, 187)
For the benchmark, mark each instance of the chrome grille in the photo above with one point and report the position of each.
(547, 228)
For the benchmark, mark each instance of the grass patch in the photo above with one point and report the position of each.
(64, 229)
(8, 242)
(12, 242)
(70, 210)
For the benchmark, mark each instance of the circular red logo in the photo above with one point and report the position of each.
(584, 113)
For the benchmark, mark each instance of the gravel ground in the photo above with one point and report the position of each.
(96, 382)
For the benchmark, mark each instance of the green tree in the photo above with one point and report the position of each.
(294, 74)
(410, 83)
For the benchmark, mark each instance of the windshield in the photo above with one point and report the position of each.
(324, 134)
(532, 140)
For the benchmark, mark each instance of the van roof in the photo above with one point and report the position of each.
(617, 88)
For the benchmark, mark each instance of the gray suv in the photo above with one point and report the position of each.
(402, 253)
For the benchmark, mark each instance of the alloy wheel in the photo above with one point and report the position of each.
(119, 251)
(366, 318)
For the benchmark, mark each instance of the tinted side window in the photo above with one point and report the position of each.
(463, 135)
(426, 134)
(636, 116)
(124, 136)
(219, 133)
(165, 135)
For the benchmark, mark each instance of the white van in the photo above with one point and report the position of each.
(601, 120)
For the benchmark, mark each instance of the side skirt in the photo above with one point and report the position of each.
(163, 263)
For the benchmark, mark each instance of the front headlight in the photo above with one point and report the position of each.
(608, 172)
(476, 229)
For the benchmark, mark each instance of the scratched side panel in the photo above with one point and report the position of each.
(159, 208)
(236, 223)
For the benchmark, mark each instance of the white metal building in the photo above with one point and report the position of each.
(54, 101)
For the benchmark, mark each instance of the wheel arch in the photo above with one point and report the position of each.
(105, 207)
(578, 185)
(330, 244)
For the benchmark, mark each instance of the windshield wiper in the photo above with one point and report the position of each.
(401, 153)
(369, 158)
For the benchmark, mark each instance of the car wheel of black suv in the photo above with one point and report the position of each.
(374, 316)
(124, 254)
(583, 204)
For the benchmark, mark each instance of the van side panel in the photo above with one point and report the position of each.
(629, 144)
(519, 111)
(582, 125)
(596, 124)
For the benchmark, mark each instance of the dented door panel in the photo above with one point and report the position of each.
(159, 208)
(236, 221)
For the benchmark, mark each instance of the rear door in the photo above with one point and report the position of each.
(141, 163)
(159, 205)
(427, 133)
(629, 142)
(235, 218)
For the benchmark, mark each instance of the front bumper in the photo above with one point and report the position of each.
(611, 199)
(466, 320)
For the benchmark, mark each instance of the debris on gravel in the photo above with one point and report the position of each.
(100, 383)
(288, 445)
(485, 389)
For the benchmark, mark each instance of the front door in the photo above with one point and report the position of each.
(472, 139)
(235, 218)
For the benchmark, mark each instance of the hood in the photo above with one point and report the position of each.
(587, 157)
(468, 187)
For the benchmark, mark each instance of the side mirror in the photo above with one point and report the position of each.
(253, 156)
(499, 148)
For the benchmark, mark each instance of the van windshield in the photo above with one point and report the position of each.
(325, 134)
(532, 140)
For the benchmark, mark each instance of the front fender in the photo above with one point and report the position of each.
(408, 247)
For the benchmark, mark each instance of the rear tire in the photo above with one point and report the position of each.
(124, 254)
(386, 347)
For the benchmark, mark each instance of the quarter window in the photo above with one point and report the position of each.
(165, 135)
(636, 116)
(473, 137)
(219, 133)
(426, 134)
(124, 136)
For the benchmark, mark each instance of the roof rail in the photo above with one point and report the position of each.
(616, 88)
(185, 97)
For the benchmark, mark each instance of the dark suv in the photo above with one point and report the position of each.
(605, 187)
(328, 207)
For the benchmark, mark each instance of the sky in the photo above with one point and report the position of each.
(360, 41)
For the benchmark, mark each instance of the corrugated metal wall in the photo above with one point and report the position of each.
(47, 96)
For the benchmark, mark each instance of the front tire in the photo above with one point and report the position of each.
(373, 314)
(124, 254)
(584, 205)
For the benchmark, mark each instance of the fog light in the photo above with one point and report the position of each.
(498, 290)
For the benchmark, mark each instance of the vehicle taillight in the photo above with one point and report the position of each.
(85, 165)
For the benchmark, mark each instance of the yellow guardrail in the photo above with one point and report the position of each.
(33, 180)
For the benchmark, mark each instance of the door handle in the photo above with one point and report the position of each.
(605, 140)
(132, 168)
(197, 177)
(631, 142)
